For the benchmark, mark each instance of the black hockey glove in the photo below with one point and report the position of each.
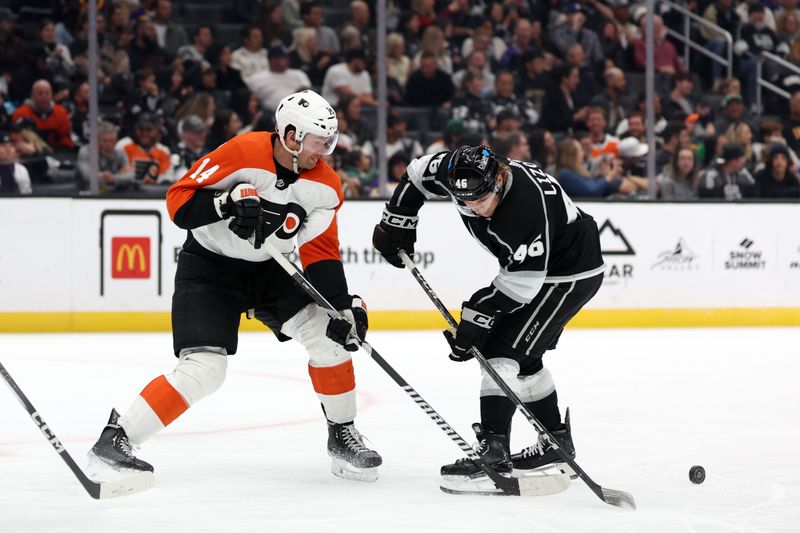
(354, 311)
(474, 330)
(397, 230)
(243, 206)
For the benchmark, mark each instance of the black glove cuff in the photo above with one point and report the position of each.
(473, 316)
(400, 220)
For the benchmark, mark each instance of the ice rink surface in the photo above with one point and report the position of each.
(646, 405)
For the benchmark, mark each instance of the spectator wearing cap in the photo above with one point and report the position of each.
(327, 39)
(397, 140)
(680, 98)
(272, 84)
(201, 41)
(728, 178)
(349, 77)
(305, 55)
(562, 114)
(678, 180)
(674, 137)
(193, 132)
(12, 47)
(170, 36)
(613, 100)
(722, 14)
(149, 158)
(115, 173)
(631, 153)
(573, 31)
(778, 178)
(51, 119)
(452, 134)
(731, 111)
(508, 120)
(251, 57)
(14, 178)
(477, 61)
(144, 50)
(770, 18)
(755, 38)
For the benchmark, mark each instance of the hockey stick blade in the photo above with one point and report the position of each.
(98, 490)
(612, 497)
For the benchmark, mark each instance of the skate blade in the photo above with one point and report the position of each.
(539, 484)
(551, 469)
(343, 469)
(99, 466)
(479, 485)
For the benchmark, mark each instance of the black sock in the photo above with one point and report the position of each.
(546, 411)
(496, 414)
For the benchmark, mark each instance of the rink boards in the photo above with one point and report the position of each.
(108, 265)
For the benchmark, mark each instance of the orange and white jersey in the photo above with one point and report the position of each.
(312, 200)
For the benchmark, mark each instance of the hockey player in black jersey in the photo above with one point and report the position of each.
(550, 265)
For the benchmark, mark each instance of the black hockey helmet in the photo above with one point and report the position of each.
(471, 172)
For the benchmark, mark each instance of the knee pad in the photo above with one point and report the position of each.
(507, 369)
(534, 388)
(308, 328)
(200, 372)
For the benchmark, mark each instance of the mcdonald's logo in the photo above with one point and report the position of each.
(130, 257)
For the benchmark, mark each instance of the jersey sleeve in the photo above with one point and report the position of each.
(419, 183)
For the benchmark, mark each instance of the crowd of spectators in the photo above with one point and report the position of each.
(557, 83)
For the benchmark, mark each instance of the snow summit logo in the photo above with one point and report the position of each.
(680, 257)
(745, 257)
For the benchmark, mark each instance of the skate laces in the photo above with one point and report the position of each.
(538, 448)
(480, 448)
(353, 439)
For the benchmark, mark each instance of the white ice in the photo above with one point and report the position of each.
(646, 405)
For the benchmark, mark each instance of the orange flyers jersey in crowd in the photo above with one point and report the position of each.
(312, 200)
(158, 153)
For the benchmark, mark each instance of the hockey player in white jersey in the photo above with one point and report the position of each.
(253, 187)
(550, 265)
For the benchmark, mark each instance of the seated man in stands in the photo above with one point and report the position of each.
(272, 84)
(115, 173)
(149, 158)
(14, 177)
(52, 120)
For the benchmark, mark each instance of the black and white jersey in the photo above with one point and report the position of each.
(536, 233)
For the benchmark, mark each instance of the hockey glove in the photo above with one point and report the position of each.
(243, 206)
(397, 230)
(474, 330)
(355, 322)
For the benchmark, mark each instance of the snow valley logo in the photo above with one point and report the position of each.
(613, 242)
(679, 258)
(745, 257)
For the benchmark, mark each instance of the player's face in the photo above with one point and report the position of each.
(314, 147)
(486, 205)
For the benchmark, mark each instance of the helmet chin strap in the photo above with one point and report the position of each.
(295, 155)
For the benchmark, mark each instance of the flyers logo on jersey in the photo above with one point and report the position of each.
(292, 216)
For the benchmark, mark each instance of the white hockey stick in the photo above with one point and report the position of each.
(99, 491)
(610, 496)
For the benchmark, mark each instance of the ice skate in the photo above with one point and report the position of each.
(466, 477)
(543, 457)
(114, 448)
(350, 459)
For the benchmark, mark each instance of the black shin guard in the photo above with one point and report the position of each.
(546, 411)
(496, 414)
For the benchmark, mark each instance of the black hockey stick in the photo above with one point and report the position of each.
(508, 486)
(99, 491)
(613, 497)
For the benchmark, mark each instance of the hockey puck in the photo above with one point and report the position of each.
(697, 474)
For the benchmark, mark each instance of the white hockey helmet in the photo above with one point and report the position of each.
(310, 113)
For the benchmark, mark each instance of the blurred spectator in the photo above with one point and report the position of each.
(51, 119)
(170, 36)
(199, 104)
(641, 110)
(485, 41)
(787, 26)
(602, 143)
(573, 31)
(201, 41)
(251, 57)
(397, 165)
(359, 129)
(221, 58)
(575, 180)
(192, 145)
(740, 133)
(275, 28)
(771, 132)
(398, 64)
(59, 60)
(469, 105)
(144, 51)
(113, 58)
(721, 13)
(360, 21)
(12, 47)
(513, 145)
(632, 153)
(587, 86)
(477, 61)
(359, 165)
(613, 98)
(425, 11)
(115, 173)
(149, 158)
(680, 177)
(14, 178)
(512, 57)
(327, 40)
(728, 179)
(119, 21)
(291, 13)
(614, 47)
(349, 77)
(778, 179)
(769, 18)
(755, 38)
(145, 97)
(504, 98)
(271, 85)
(732, 111)
(226, 126)
(79, 113)
(680, 100)
(665, 56)
(396, 139)
(674, 137)
(543, 149)
(34, 67)
(409, 28)
(791, 124)
(561, 113)
(534, 81)
(452, 135)
(249, 110)
(433, 42)
(429, 85)
(33, 152)
(305, 55)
